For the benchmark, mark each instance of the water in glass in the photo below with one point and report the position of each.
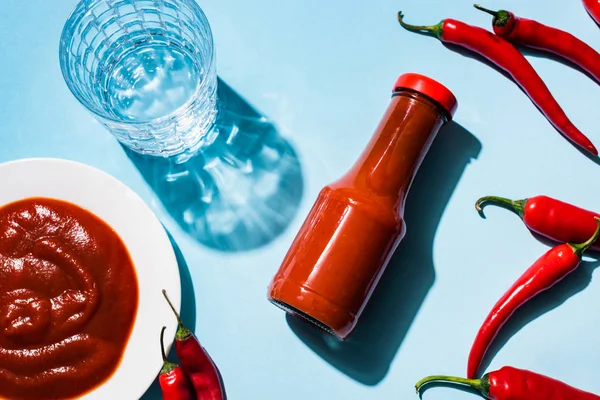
(146, 69)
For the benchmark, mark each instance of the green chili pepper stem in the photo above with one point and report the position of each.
(167, 365)
(182, 332)
(579, 249)
(433, 30)
(516, 206)
(501, 17)
(487, 10)
(482, 385)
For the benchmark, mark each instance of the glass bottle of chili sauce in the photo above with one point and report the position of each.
(356, 223)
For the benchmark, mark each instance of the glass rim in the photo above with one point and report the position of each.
(74, 19)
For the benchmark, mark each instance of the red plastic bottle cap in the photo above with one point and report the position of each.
(430, 88)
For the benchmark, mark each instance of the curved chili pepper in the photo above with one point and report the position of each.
(196, 362)
(554, 219)
(593, 8)
(173, 381)
(542, 37)
(507, 57)
(548, 270)
(509, 383)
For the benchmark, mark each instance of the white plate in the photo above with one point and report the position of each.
(146, 240)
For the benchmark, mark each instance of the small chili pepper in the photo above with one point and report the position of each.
(196, 362)
(593, 8)
(554, 219)
(173, 381)
(510, 383)
(548, 270)
(504, 55)
(542, 37)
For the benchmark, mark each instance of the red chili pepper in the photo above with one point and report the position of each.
(510, 383)
(173, 381)
(507, 57)
(196, 362)
(593, 8)
(554, 219)
(542, 37)
(548, 270)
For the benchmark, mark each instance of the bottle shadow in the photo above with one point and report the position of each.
(366, 356)
(543, 303)
(188, 313)
(239, 193)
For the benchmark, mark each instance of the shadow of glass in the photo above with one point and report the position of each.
(238, 194)
(543, 303)
(368, 353)
(188, 314)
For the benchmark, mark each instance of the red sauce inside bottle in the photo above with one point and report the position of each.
(68, 300)
(357, 222)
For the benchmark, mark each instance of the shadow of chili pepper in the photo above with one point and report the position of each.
(526, 51)
(476, 56)
(188, 313)
(545, 302)
(366, 356)
(188, 298)
(470, 54)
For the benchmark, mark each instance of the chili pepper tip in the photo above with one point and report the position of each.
(479, 205)
(167, 365)
(164, 292)
(401, 18)
(482, 385)
(182, 331)
(432, 30)
(162, 344)
(491, 12)
(516, 206)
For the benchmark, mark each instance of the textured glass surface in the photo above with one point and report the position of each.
(146, 69)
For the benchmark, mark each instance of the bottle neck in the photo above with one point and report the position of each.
(392, 158)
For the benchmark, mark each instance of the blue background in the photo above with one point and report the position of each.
(322, 71)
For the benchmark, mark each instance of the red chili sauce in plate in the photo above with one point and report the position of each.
(68, 300)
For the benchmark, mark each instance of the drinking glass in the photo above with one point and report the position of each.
(146, 70)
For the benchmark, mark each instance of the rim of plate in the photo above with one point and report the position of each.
(146, 240)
